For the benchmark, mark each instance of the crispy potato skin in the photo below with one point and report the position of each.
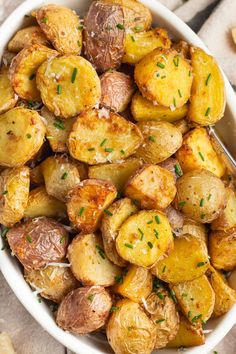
(227, 219)
(207, 103)
(152, 186)
(87, 203)
(38, 241)
(183, 48)
(129, 330)
(145, 238)
(61, 28)
(36, 176)
(14, 191)
(84, 310)
(201, 195)
(89, 263)
(117, 90)
(7, 94)
(162, 83)
(104, 40)
(23, 70)
(161, 140)
(120, 211)
(172, 165)
(55, 281)
(25, 37)
(22, 132)
(86, 140)
(195, 142)
(83, 93)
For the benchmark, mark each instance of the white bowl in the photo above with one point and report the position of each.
(10, 267)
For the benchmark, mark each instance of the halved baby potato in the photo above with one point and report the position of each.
(100, 136)
(182, 125)
(172, 165)
(23, 69)
(145, 238)
(164, 77)
(22, 134)
(207, 103)
(8, 97)
(25, 37)
(227, 219)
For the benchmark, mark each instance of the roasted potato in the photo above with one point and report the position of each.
(14, 192)
(137, 45)
(84, 310)
(182, 125)
(196, 298)
(42, 204)
(87, 203)
(173, 166)
(129, 330)
(183, 262)
(183, 48)
(36, 176)
(153, 187)
(60, 175)
(26, 37)
(175, 218)
(119, 211)
(163, 77)
(89, 263)
(197, 152)
(38, 242)
(100, 136)
(207, 102)
(196, 229)
(145, 238)
(22, 132)
(55, 281)
(161, 140)
(23, 68)
(104, 35)
(144, 110)
(117, 90)
(62, 27)
(82, 168)
(227, 219)
(135, 284)
(75, 87)
(116, 173)
(161, 309)
(7, 94)
(201, 195)
(232, 279)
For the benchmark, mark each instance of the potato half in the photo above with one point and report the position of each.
(25, 37)
(7, 94)
(227, 219)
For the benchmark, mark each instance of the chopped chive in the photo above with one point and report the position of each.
(80, 28)
(157, 219)
(4, 232)
(201, 155)
(103, 142)
(195, 318)
(120, 26)
(29, 238)
(164, 269)
(179, 92)
(129, 245)
(178, 170)
(141, 233)
(158, 74)
(5, 192)
(73, 77)
(172, 295)
(152, 138)
(160, 295)
(101, 252)
(156, 233)
(215, 352)
(108, 212)
(59, 89)
(62, 240)
(209, 196)
(174, 102)
(59, 124)
(119, 279)
(163, 77)
(150, 222)
(32, 77)
(138, 28)
(200, 264)
(49, 137)
(208, 79)
(91, 297)
(203, 216)
(65, 174)
(189, 314)
(133, 39)
(39, 300)
(79, 44)
(159, 321)
(91, 149)
(189, 73)
(201, 202)
(161, 65)
(81, 211)
(207, 111)
(181, 204)
(109, 150)
(122, 151)
(45, 20)
(150, 245)
(176, 61)
(28, 136)
(184, 295)
(114, 309)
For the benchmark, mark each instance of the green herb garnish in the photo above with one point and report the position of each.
(91, 297)
(74, 73)
(120, 26)
(29, 238)
(59, 124)
(59, 89)
(109, 150)
(207, 111)
(178, 170)
(65, 174)
(108, 212)
(201, 202)
(129, 245)
(81, 211)
(152, 138)
(201, 155)
(150, 245)
(208, 79)
(157, 219)
(200, 264)
(161, 65)
(103, 142)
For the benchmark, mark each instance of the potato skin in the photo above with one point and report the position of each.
(7, 94)
(227, 219)
(25, 37)
(84, 310)
(172, 165)
(38, 241)
(104, 40)
(176, 219)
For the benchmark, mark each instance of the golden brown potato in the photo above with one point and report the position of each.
(183, 48)
(161, 140)
(104, 35)
(222, 249)
(76, 86)
(196, 298)
(62, 27)
(23, 69)
(135, 284)
(153, 187)
(196, 229)
(38, 242)
(173, 166)
(7, 94)
(60, 175)
(14, 192)
(25, 37)
(116, 173)
(84, 310)
(144, 110)
(182, 125)
(183, 262)
(117, 90)
(100, 136)
(145, 238)
(207, 102)
(36, 176)
(137, 45)
(89, 263)
(87, 203)
(42, 204)
(201, 195)
(119, 211)
(129, 330)
(227, 219)
(55, 281)
(163, 77)
(197, 152)
(175, 218)
(161, 309)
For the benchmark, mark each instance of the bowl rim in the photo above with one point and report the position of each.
(7, 266)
